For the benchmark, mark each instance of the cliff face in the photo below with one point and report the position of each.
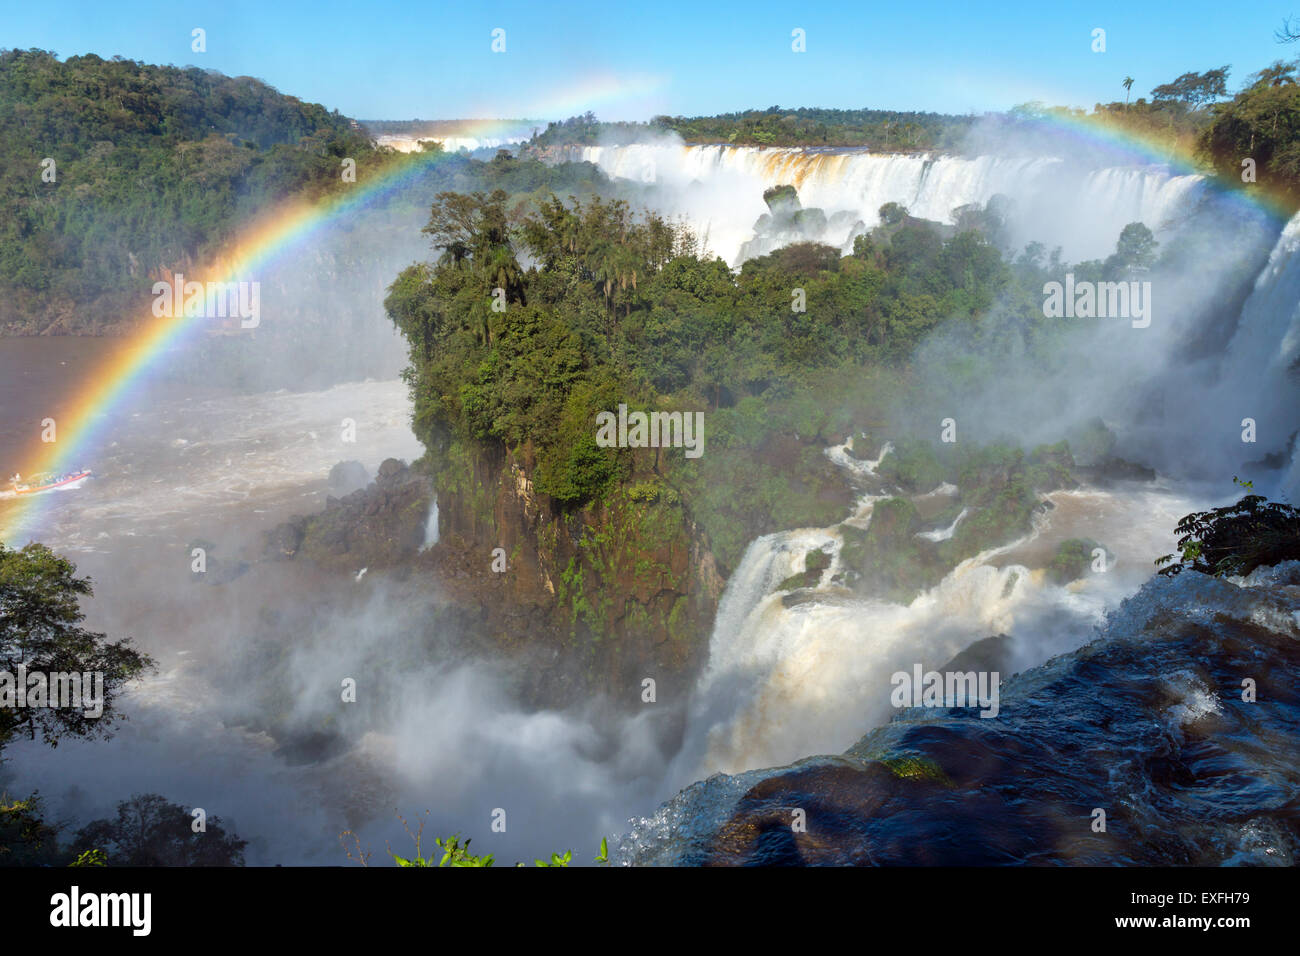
(594, 601)
(378, 526)
(620, 591)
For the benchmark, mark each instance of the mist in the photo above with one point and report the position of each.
(245, 715)
(1222, 295)
(245, 718)
(1175, 393)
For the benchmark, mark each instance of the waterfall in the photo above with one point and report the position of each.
(1257, 378)
(790, 678)
(944, 534)
(1160, 395)
(431, 526)
(719, 191)
(1079, 731)
(792, 674)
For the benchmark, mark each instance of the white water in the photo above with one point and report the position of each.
(719, 190)
(451, 144)
(175, 463)
(944, 534)
(431, 527)
(249, 662)
(69, 486)
(787, 682)
(1257, 377)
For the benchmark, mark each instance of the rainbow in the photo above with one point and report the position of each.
(600, 89)
(293, 224)
(269, 237)
(1089, 130)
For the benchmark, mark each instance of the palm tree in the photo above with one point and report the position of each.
(503, 272)
(1128, 87)
(600, 261)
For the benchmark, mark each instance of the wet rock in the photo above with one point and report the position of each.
(347, 477)
(991, 654)
(285, 540)
(1148, 722)
(376, 527)
(1107, 471)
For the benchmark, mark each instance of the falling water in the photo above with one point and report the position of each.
(431, 527)
(719, 189)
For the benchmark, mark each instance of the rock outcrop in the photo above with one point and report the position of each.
(380, 526)
(1178, 723)
(595, 600)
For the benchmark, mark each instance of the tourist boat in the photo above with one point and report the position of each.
(34, 484)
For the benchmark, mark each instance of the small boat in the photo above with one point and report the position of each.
(35, 484)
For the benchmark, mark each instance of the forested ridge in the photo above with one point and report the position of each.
(153, 166)
(156, 167)
(775, 126)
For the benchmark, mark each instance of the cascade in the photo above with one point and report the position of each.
(719, 190)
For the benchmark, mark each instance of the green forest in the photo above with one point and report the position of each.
(774, 126)
(153, 166)
(620, 307)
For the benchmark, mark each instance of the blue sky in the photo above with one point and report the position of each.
(395, 59)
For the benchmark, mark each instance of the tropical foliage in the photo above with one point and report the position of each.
(1236, 539)
(40, 630)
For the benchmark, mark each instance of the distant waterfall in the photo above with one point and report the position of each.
(719, 190)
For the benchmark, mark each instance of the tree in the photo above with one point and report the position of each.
(1135, 251)
(1262, 122)
(1193, 90)
(150, 831)
(460, 224)
(40, 628)
(1235, 539)
(892, 213)
(26, 838)
(1128, 88)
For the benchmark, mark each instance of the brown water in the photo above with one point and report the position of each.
(39, 378)
(177, 465)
